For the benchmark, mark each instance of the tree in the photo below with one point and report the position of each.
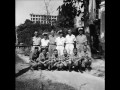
(67, 13)
(26, 31)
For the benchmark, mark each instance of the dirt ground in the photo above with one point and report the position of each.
(93, 80)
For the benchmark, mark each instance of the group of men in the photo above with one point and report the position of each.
(61, 53)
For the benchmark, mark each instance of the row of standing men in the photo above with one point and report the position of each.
(69, 42)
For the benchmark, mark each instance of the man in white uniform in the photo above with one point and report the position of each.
(36, 41)
(70, 41)
(60, 41)
(44, 41)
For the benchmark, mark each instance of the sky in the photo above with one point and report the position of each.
(23, 9)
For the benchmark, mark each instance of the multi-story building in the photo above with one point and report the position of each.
(43, 19)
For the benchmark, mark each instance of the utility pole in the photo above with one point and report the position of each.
(48, 13)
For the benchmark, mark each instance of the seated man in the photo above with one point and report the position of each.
(65, 60)
(33, 57)
(86, 63)
(76, 60)
(43, 59)
(53, 61)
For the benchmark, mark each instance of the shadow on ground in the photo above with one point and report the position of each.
(37, 85)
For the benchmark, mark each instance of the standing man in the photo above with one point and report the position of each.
(45, 41)
(70, 42)
(36, 41)
(81, 40)
(52, 44)
(60, 41)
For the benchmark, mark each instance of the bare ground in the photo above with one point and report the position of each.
(81, 81)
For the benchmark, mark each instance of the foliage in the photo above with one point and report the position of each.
(67, 13)
(26, 31)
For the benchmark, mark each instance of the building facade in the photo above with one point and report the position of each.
(43, 19)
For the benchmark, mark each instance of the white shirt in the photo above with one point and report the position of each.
(36, 40)
(44, 42)
(60, 41)
(70, 39)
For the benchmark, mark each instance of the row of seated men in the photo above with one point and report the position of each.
(77, 62)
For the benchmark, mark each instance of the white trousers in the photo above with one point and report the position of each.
(69, 48)
(60, 49)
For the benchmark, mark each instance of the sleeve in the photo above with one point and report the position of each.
(74, 38)
(39, 58)
(56, 40)
(85, 39)
(39, 41)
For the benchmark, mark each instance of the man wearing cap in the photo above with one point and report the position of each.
(52, 44)
(81, 40)
(36, 41)
(44, 41)
(70, 42)
(60, 41)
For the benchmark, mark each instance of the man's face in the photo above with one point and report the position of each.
(55, 52)
(45, 36)
(65, 52)
(80, 32)
(69, 32)
(61, 34)
(36, 50)
(85, 49)
(75, 51)
(36, 34)
(52, 32)
(44, 51)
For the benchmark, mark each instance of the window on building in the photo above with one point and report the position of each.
(33, 15)
(41, 22)
(44, 22)
(33, 18)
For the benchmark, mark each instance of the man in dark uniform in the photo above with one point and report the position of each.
(33, 57)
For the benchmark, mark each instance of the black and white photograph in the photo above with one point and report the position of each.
(60, 45)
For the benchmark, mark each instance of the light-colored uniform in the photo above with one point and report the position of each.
(52, 44)
(60, 44)
(80, 40)
(36, 43)
(87, 58)
(44, 43)
(69, 40)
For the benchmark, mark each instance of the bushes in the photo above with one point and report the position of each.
(26, 31)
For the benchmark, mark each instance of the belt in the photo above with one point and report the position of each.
(60, 45)
(69, 43)
(36, 45)
(52, 44)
